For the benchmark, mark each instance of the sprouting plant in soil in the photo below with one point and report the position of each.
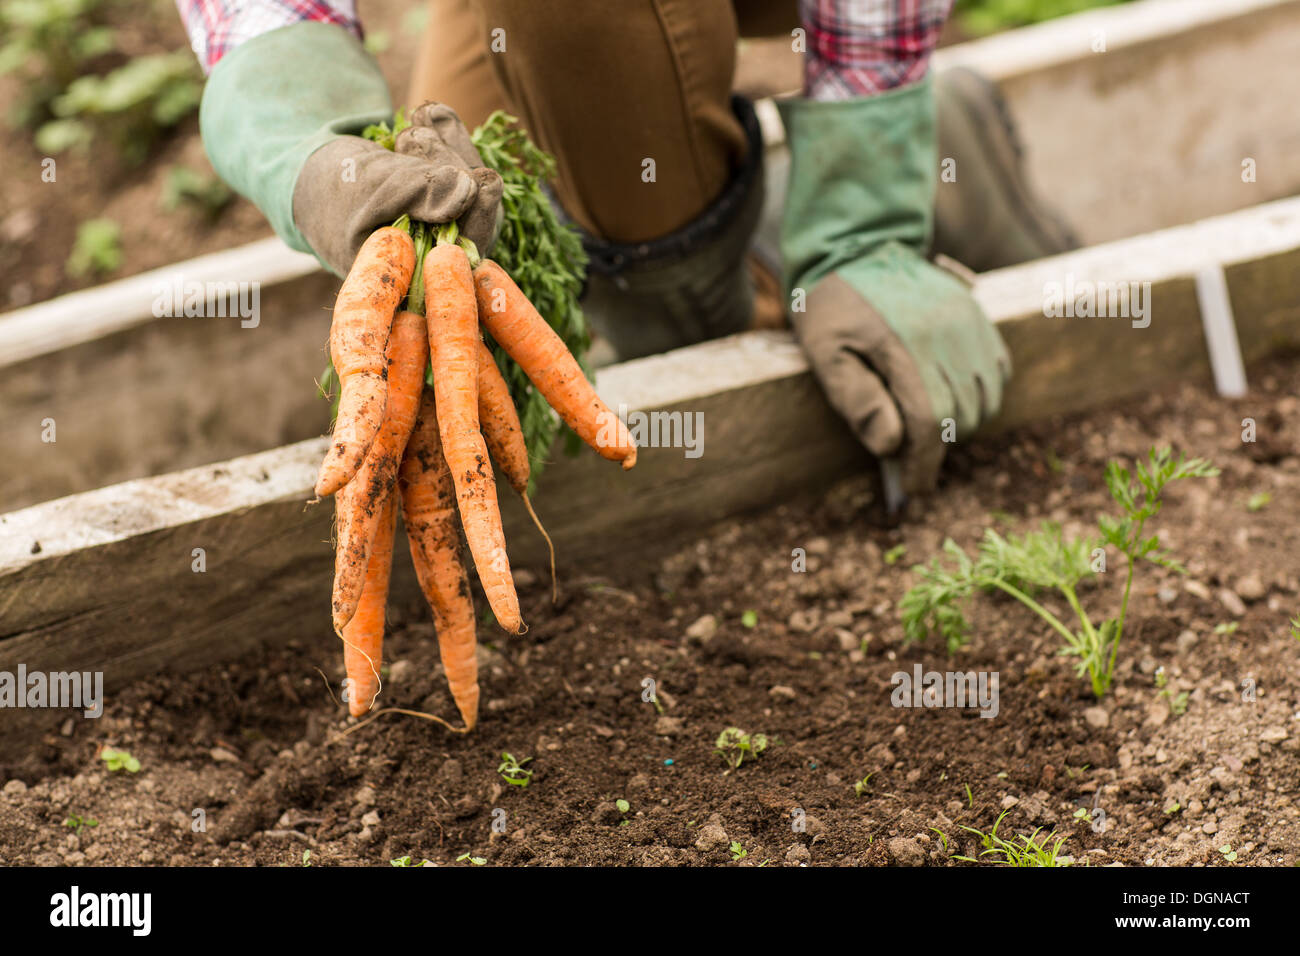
(1177, 702)
(403, 861)
(76, 822)
(514, 772)
(468, 857)
(860, 787)
(738, 852)
(119, 760)
(1021, 851)
(733, 744)
(1043, 560)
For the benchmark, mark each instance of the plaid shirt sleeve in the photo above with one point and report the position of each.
(864, 47)
(216, 27)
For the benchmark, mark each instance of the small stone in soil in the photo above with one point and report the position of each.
(1250, 587)
(711, 836)
(398, 671)
(1232, 601)
(703, 628)
(1096, 717)
(803, 621)
(906, 852)
(669, 726)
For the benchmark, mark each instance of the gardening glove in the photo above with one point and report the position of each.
(900, 346)
(279, 117)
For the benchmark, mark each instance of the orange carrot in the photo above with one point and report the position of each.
(430, 514)
(453, 342)
(524, 334)
(505, 439)
(363, 316)
(358, 519)
(363, 636)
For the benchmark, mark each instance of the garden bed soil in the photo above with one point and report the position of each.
(254, 744)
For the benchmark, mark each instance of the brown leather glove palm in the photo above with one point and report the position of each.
(350, 187)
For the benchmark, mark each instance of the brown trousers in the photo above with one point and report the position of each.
(604, 85)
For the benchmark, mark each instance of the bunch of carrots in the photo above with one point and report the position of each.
(410, 312)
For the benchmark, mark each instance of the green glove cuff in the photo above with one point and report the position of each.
(274, 100)
(866, 175)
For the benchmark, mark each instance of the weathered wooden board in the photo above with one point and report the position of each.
(1068, 364)
(131, 394)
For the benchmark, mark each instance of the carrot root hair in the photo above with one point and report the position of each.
(550, 546)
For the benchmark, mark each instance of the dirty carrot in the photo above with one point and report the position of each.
(429, 512)
(363, 635)
(407, 354)
(505, 439)
(453, 343)
(530, 341)
(363, 316)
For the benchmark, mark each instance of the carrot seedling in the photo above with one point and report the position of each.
(1177, 702)
(119, 760)
(1023, 851)
(1023, 566)
(513, 771)
(733, 744)
(77, 822)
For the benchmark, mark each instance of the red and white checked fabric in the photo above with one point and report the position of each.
(854, 47)
(864, 47)
(216, 27)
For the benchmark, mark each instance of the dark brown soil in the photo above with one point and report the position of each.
(254, 744)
